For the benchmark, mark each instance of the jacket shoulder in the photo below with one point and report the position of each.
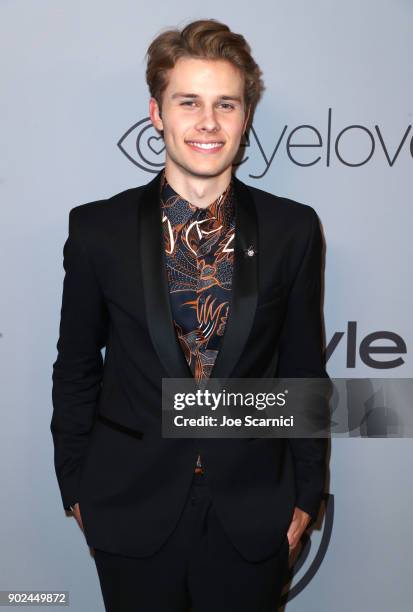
(269, 204)
(98, 221)
(107, 209)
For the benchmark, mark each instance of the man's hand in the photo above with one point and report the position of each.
(297, 526)
(76, 514)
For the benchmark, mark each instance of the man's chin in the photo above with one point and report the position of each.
(201, 171)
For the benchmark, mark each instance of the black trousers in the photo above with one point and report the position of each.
(197, 569)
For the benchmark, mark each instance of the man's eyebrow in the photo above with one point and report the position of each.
(180, 94)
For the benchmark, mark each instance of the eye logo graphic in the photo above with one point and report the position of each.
(145, 148)
(303, 562)
(148, 145)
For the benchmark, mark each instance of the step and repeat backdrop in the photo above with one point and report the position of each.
(333, 130)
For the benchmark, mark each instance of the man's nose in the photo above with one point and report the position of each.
(209, 121)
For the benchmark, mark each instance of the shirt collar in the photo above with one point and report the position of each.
(179, 211)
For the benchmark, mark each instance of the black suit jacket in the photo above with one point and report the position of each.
(130, 482)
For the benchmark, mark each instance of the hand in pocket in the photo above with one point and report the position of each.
(77, 515)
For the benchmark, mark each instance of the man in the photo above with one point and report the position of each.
(194, 274)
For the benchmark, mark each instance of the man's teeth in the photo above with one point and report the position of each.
(210, 145)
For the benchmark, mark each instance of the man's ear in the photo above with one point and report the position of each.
(155, 114)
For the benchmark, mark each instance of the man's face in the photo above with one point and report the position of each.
(203, 103)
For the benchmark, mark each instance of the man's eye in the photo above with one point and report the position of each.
(225, 105)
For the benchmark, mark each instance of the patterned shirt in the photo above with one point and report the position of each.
(199, 250)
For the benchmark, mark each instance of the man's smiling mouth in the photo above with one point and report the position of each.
(205, 146)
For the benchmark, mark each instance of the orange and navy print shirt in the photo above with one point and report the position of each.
(199, 250)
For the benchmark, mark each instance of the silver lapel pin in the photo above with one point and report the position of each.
(250, 251)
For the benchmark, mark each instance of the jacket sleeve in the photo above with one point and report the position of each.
(301, 356)
(77, 371)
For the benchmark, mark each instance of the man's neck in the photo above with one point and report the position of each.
(198, 191)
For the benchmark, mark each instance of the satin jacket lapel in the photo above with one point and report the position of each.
(244, 284)
(156, 290)
(155, 284)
